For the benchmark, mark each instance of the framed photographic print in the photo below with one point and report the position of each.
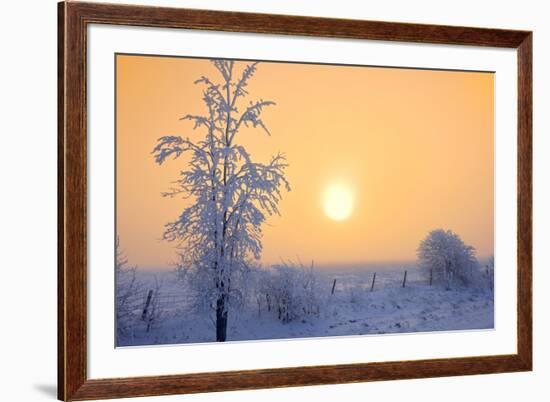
(253, 201)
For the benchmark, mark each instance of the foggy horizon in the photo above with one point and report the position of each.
(389, 156)
(329, 267)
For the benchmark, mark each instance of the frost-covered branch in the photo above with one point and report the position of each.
(449, 258)
(232, 195)
(127, 290)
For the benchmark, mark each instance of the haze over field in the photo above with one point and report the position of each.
(378, 157)
(300, 200)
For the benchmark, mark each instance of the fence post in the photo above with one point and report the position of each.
(333, 286)
(373, 279)
(147, 303)
(431, 276)
(405, 278)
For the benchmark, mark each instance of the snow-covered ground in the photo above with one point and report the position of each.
(353, 309)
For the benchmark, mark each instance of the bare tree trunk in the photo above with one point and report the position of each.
(221, 308)
(221, 319)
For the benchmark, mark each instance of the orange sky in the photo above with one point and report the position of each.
(414, 146)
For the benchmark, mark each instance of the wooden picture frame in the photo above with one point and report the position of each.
(73, 381)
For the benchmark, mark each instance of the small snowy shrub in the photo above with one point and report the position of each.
(450, 259)
(291, 291)
(263, 289)
(488, 273)
(482, 275)
(127, 296)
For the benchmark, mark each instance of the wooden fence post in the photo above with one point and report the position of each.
(373, 279)
(405, 278)
(333, 286)
(147, 303)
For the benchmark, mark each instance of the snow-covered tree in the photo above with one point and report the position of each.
(127, 289)
(232, 194)
(449, 258)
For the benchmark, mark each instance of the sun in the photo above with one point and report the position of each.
(338, 202)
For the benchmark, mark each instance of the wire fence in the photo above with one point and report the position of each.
(171, 296)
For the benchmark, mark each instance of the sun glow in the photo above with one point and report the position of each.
(338, 202)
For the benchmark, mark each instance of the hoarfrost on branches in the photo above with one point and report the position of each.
(450, 259)
(127, 289)
(292, 291)
(221, 231)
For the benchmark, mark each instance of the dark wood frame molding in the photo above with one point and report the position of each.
(73, 19)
